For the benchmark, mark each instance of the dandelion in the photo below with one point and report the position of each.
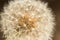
(27, 20)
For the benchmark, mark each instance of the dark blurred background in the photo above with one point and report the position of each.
(53, 4)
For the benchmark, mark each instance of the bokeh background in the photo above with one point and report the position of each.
(53, 4)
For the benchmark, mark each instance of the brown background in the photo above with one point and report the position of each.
(53, 4)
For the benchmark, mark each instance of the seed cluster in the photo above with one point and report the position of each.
(26, 22)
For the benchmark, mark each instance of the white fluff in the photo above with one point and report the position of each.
(35, 9)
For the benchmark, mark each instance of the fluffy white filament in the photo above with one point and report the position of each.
(32, 11)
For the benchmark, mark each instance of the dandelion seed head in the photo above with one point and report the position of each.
(27, 20)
